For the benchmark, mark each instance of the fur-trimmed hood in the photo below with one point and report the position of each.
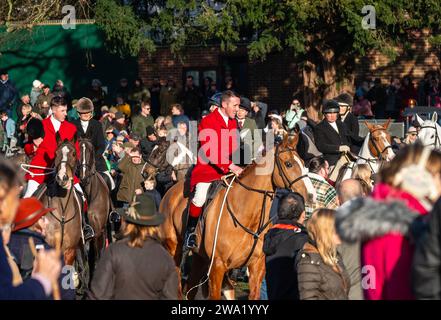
(362, 219)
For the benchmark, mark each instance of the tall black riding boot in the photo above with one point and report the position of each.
(190, 240)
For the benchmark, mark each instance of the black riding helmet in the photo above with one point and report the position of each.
(35, 129)
(331, 106)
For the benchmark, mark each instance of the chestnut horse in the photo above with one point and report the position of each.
(244, 219)
(60, 194)
(97, 194)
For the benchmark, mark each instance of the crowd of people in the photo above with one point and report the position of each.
(374, 236)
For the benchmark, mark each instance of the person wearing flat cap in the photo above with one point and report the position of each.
(90, 128)
(137, 267)
(250, 139)
(331, 135)
(31, 222)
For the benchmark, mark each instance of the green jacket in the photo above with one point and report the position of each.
(131, 179)
(140, 123)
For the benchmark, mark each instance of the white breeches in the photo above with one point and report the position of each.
(200, 195)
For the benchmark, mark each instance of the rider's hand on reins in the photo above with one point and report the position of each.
(235, 169)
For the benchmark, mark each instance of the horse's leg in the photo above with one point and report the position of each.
(257, 272)
(69, 257)
(228, 288)
(216, 278)
(198, 271)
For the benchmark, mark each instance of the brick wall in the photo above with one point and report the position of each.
(277, 78)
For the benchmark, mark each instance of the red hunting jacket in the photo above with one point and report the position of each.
(218, 143)
(45, 154)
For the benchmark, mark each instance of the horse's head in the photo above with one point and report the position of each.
(65, 162)
(429, 134)
(289, 171)
(87, 158)
(157, 160)
(380, 142)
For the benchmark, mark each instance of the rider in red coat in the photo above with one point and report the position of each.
(219, 140)
(45, 154)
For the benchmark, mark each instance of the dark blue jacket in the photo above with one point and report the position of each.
(19, 247)
(30, 289)
(8, 95)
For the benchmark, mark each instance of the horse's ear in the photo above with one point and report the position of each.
(419, 120)
(58, 138)
(368, 125)
(387, 124)
(285, 139)
(435, 117)
(294, 140)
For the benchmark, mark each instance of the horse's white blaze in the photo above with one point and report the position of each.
(390, 154)
(63, 171)
(83, 153)
(308, 184)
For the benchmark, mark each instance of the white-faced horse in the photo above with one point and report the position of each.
(376, 149)
(430, 132)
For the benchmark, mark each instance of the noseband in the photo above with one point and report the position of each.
(285, 178)
(437, 141)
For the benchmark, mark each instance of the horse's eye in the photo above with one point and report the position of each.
(432, 136)
(288, 164)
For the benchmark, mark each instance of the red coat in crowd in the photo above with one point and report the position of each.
(217, 144)
(45, 154)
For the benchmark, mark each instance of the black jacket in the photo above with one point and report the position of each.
(125, 273)
(95, 133)
(328, 141)
(20, 250)
(147, 147)
(353, 128)
(426, 269)
(281, 245)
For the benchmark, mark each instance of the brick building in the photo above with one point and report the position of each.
(276, 79)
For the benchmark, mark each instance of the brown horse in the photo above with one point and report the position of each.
(97, 194)
(244, 221)
(60, 194)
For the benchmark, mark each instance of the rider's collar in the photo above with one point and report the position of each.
(224, 116)
(56, 123)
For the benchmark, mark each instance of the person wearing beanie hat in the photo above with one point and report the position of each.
(131, 167)
(137, 267)
(345, 101)
(31, 222)
(90, 128)
(331, 135)
(35, 91)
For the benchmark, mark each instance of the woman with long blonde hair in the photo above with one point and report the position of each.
(320, 271)
(362, 172)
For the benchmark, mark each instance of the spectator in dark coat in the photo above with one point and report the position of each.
(138, 266)
(8, 92)
(191, 99)
(47, 265)
(321, 273)
(377, 96)
(178, 115)
(426, 268)
(148, 143)
(281, 245)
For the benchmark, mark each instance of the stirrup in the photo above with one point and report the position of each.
(88, 232)
(191, 240)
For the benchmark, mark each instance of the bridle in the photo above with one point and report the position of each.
(371, 139)
(288, 183)
(89, 168)
(437, 141)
